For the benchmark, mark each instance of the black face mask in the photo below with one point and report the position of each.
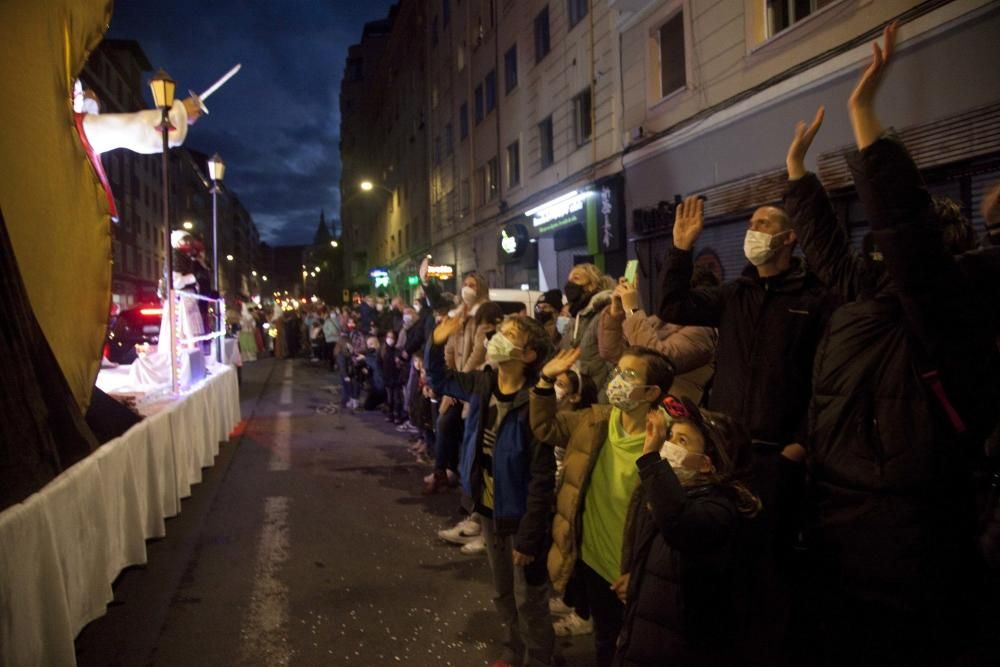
(573, 293)
(542, 316)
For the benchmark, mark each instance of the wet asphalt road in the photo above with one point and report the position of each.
(308, 543)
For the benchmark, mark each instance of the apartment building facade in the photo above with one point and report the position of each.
(712, 91)
(562, 131)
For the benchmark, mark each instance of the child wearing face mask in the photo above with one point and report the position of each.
(600, 481)
(685, 602)
(509, 475)
(393, 370)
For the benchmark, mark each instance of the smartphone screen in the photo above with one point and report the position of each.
(630, 270)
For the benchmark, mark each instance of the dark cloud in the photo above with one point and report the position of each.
(276, 124)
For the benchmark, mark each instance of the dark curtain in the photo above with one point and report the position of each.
(42, 430)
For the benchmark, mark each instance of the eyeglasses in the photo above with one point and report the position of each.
(627, 373)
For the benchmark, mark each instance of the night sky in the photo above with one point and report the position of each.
(276, 124)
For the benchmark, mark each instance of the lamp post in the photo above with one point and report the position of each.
(162, 87)
(216, 170)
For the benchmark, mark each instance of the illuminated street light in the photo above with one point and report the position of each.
(367, 186)
(188, 225)
(229, 258)
(253, 273)
(264, 278)
(334, 244)
(316, 269)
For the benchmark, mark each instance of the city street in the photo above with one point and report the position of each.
(308, 543)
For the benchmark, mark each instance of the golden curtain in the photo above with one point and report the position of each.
(56, 212)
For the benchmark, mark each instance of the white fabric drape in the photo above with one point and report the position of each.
(61, 548)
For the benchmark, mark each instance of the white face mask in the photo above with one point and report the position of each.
(675, 455)
(760, 247)
(560, 394)
(619, 391)
(407, 319)
(562, 324)
(390, 342)
(500, 349)
(469, 295)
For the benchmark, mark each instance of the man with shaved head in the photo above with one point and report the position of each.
(770, 320)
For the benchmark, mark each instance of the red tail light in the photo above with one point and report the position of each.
(151, 311)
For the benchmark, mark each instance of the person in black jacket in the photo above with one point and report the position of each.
(770, 320)
(394, 376)
(510, 475)
(905, 389)
(686, 599)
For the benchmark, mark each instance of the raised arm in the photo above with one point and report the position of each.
(547, 423)
(825, 243)
(443, 380)
(681, 304)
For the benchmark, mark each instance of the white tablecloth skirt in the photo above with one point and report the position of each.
(61, 548)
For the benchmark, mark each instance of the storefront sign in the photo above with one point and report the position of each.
(412, 280)
(512, 242)
(610, 223)
(380, 277)
(561, 211)
(441, 271)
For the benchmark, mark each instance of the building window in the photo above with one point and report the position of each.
(449, 144)
(542, 44)
(514, 164)
(463, 121)
(491, 91)
(492, 179)
(480, 186)
(673, 70)
(547, 154)
(479, 104)
(576, 10)
(583, 120)
(783, 13)
(510, 69)
(445, 12)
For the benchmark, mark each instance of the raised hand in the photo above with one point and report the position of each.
(656, 431)
(562, 362)
(688, 222)
(422, 272)
(804, 135)
(443, 331)
(861, 102)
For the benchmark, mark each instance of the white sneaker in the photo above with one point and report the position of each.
(572, 625)
(461, 533)
(475, 547)
(559, 608)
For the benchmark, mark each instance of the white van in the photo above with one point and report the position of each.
(513, 301)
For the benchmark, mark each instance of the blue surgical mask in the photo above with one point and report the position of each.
(562, 324)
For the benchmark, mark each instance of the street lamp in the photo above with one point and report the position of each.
(188, 225)
(162, 87)
(229, 258)
(216, 170)
(367, 186)
(264, 278)
(334, 244)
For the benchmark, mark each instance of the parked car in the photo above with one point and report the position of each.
(513, 301)
(137, 324)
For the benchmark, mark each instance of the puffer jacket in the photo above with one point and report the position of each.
(891, 513)
(583, 434)
(583, 334)
(768, 332)
(460, 348)
(688, 584)
(690, 349)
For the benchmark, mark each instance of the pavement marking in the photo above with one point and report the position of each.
(286, 384)
(281, 454)
(265, 628)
